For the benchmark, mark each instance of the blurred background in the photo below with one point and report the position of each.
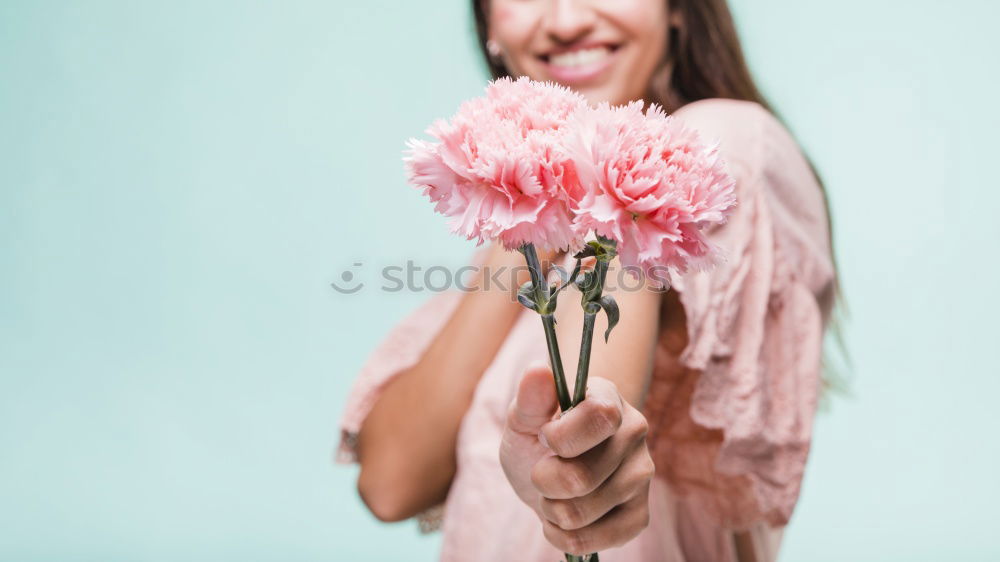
(181, 181)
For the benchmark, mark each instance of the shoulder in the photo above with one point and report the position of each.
(744, 120)
(737, 128)
(770, 170)
(758, 149)
(748, 134)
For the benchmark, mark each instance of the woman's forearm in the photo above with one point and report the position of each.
(406, 446)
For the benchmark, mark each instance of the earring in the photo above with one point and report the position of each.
(493, 48)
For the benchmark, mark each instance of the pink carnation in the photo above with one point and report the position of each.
(500, 170)
(651, 185)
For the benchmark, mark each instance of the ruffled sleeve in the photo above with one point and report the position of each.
(731, 409)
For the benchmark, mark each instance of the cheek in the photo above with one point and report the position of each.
(644, 24)
(644, 20)
(511, 22)
(500, 13)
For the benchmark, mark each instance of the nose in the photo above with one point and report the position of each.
(569, 20)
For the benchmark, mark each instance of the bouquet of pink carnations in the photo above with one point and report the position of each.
(533, 166)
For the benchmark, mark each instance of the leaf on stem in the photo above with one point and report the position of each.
(588, 251)
(610, 307)
(525, 294)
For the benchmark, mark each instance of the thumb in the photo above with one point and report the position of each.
(535, 403)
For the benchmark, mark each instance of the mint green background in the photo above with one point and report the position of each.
(181, 181)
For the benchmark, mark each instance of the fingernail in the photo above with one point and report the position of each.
(541, 439)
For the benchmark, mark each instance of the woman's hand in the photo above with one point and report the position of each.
(586, 473)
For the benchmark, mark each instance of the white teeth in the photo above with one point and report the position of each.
(583, 57)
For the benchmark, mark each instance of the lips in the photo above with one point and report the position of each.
(580, 63)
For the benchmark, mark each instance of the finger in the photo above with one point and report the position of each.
(616, 528)
(588, 423)
(631, 479)
(535, 402)
(556, 477)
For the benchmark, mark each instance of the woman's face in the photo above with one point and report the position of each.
(607, 50)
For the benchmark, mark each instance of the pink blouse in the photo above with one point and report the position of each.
(730, 426)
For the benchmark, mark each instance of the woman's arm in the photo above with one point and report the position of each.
(406, 446)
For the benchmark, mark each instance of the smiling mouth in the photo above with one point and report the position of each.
(580, 65)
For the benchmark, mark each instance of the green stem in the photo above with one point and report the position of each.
(535, 269)
(562, 389)
(541, 290)
(583, 367)
(590, 308)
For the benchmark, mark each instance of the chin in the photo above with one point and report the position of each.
(598, 95)
(609, 91)
(594, 94)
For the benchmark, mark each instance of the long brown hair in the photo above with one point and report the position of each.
(703, 60)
